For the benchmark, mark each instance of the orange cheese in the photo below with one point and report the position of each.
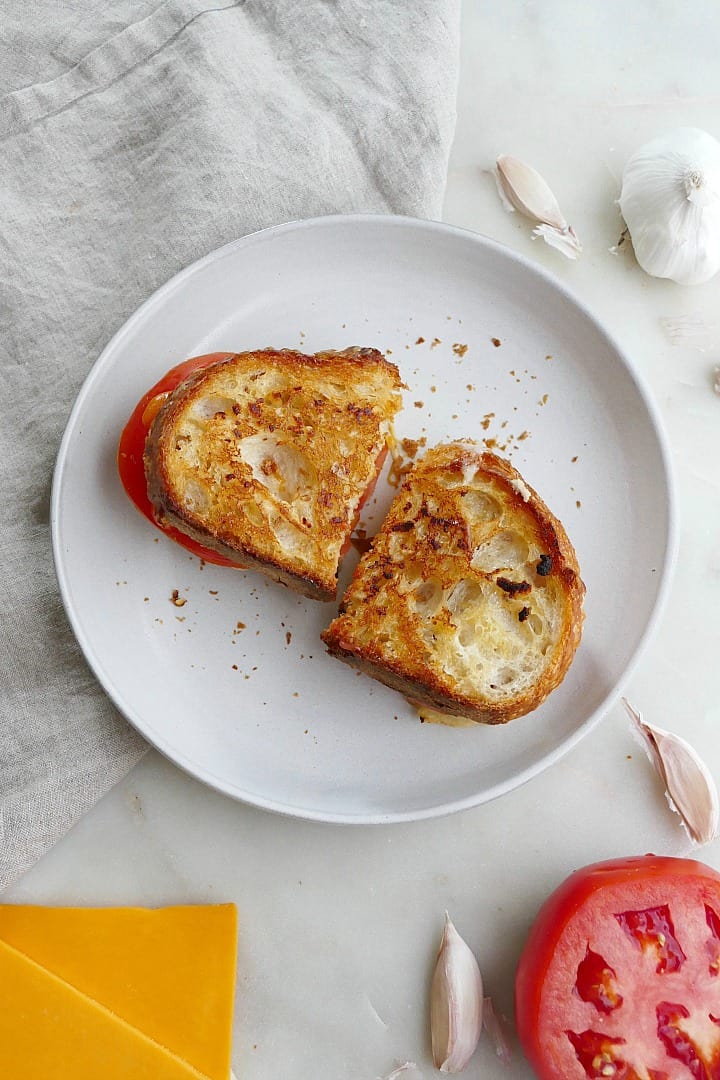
(117, 992)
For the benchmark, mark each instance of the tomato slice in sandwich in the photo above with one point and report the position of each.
(132, 445)
(620, 976)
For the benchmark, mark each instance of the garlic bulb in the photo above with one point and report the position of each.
(670, 200)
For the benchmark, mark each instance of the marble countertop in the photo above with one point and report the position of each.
(339, 926)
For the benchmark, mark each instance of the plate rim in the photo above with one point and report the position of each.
(104, 359)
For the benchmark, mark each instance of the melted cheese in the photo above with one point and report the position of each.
(434, 716)
(117, 992)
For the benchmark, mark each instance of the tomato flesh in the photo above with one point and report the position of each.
(596, 982)
(654, 932)
(676, 1041)
(600, 1055)
(713, 921)
(620, 976)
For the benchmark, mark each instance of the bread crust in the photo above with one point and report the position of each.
(459, 511)
(265, 456)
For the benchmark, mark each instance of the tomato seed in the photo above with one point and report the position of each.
(677, 1042)
(596, 1053)
(596, 983)
(653, 931)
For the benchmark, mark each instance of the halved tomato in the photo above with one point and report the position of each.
(620, 976)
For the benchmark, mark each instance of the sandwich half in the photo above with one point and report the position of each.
(266, 457)
(469, 601)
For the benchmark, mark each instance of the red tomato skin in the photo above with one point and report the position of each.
(132, 443)
(551, 920)
(369, 491)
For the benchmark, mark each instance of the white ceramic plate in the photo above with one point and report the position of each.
(235, 686)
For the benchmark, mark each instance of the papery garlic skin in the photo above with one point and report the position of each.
(456, 1003)
(691, 330)
(407, 1071)
(494, 1027)
(670, 201)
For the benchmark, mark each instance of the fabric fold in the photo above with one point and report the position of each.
(145, 136)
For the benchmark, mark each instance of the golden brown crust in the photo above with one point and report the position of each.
(470, 599)
(265, 456)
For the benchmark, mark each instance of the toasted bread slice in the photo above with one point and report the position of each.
(469, 600)
(266, 456)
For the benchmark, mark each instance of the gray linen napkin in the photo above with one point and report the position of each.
(134, 138)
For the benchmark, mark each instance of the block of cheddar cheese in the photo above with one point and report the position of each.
(117, 992)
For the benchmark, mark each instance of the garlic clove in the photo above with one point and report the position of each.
(689, 787)
(522, 188)
(494, 1026)
(526, 191)
(456, 1003)
(504, 199)
(670, 200)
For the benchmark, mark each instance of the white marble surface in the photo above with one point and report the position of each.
(338, 926)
